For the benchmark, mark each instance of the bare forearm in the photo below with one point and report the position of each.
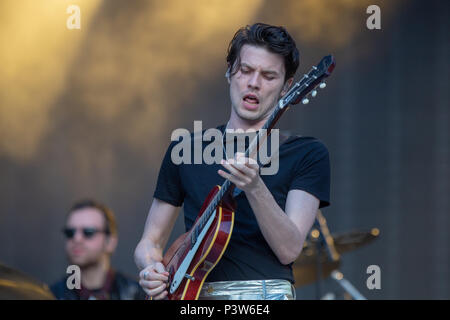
(147, 253)
(280, 232)
(158, 226)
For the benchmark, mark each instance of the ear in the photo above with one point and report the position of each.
(286, 86)
(111, 244)
(227, 75)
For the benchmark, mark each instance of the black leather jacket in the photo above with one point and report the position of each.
(123, 288)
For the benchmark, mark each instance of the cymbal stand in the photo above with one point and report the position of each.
(346, 285)
(322, 236)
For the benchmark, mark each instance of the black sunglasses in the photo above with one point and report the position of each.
(87, 232)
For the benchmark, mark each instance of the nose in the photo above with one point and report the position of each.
(78, 236)
(254, 82)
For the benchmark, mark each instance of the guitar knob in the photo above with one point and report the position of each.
(314, 93)
(322, 85)
(188, 276)
(305, 101)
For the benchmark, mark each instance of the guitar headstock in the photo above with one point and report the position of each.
(309, 83)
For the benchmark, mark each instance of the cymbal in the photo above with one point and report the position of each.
(305, 267)
(349, 241)
(15, 285)
(343, 242)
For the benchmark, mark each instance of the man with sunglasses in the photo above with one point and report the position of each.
(91, 239)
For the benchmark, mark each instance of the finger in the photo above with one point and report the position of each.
(152, 275)
(248, 161)
(240, 177)
(226, 175)
(161, 295)
(158, 276)
(145, 273)
(236, 177)
(159, 267)
(240, 157)
(242, 160)
(155, 269)
(230, 177)
(252, 163)
(156, 291)
(245, 169)
(150, 284)
(231, 166)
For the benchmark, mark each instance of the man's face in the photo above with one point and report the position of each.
(258, 83)
(83, 250)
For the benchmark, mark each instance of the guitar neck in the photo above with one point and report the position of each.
(263, 133)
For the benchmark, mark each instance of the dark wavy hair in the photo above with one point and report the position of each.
(108, 214)
(275, 39)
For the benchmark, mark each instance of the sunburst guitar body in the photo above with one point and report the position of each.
(194, 254)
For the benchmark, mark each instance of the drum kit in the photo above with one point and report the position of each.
(16, 285)
(321, 257)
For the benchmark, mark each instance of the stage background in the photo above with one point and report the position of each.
(89, 112)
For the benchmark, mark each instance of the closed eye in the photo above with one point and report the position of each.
(245, 70)
(269, 75)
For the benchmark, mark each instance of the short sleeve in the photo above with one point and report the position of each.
(168, 187)
(312, 173)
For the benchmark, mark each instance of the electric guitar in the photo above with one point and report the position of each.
(194, 254)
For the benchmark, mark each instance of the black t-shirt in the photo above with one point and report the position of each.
(303, 165)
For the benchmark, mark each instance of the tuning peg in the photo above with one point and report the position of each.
(314, 93)
(305, 101)
(322, 85)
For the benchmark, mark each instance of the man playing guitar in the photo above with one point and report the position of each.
(274, 213)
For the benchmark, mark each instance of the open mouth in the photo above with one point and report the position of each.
(251, 101)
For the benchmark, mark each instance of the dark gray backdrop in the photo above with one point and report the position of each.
(384, 117)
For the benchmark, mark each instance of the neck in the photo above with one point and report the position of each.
(94, 276)
(236, 122)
